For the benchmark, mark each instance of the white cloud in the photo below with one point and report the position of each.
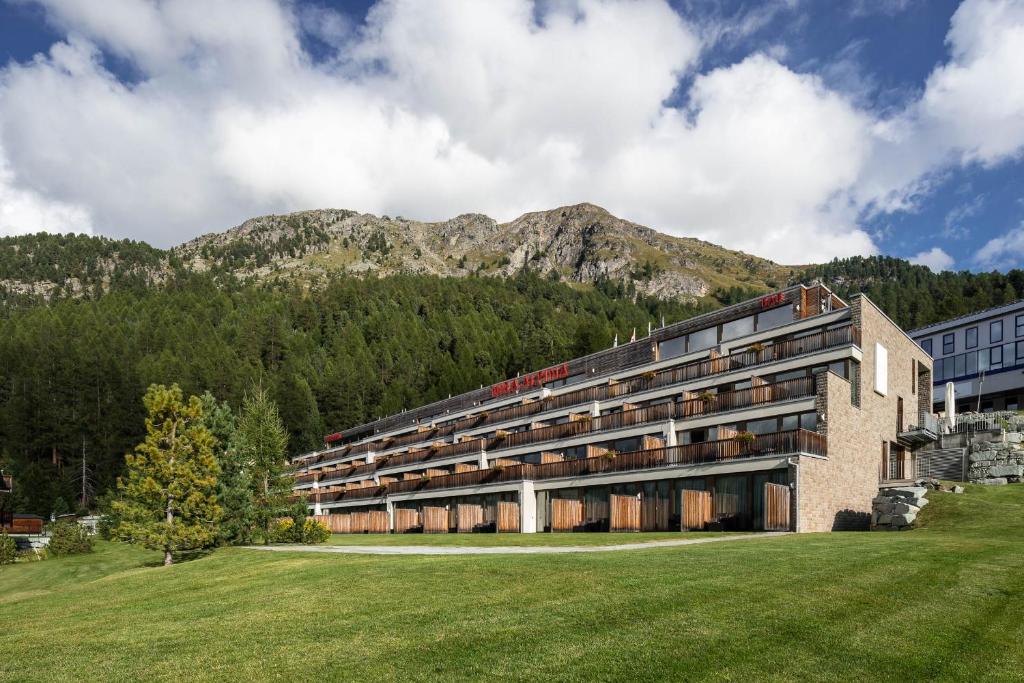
(935, 258)
(433, 109)
(1003, 252)
(23, 211)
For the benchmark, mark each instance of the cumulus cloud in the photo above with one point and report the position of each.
(433, 109)
(1003, 252)
(935, 258)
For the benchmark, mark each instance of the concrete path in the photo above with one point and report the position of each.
(502, 549)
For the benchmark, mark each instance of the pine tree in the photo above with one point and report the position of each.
(234, 487)
(261, 439)
(169, 487)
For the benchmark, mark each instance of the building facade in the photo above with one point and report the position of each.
(782, 412)
(982, 354)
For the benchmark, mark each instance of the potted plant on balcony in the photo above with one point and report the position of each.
(745, 440)
(707, 398)
(424, 478)
(382, 489)
(756, 347)
(650, 375)
(500, 435)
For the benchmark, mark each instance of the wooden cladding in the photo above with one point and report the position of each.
(776, 507)
(435, 520)
(625, 513)
(469, 518)
(566, 514)
(377, 522)
(697, 510)
(508, 517)
(407, 520)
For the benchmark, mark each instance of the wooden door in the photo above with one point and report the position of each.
(566, 514)
(377, 522)
(697, 509)
(508, 517)
(469, 518)
(625, 513)
(435, 520)
(406, 520)
(776, 507)
(360, 520)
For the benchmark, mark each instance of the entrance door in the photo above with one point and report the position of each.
(696, 509)
(625, 513)
(776, 507)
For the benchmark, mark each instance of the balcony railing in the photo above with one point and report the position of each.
(769, 353)
(802, 387)
(775, 444)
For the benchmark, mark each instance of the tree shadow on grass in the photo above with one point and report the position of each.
(179, 558)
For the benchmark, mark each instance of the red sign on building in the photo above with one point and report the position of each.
(773, 300)
(534, 380)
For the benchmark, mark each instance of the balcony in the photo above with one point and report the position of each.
(924, 432)
(730, 450)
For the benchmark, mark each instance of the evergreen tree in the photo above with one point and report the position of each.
(234, 487)
(169, 487)
(261, 440)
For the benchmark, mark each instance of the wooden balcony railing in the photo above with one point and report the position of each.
(691, 408)
(774, 444)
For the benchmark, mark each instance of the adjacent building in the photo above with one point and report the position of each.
(982, 354)
(782, 412)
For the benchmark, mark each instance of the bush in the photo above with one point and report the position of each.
(8, 549)
(314, 531)
(283, 531)
(69, 538)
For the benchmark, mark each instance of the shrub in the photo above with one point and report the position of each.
(314, 531)
(69, 538)
(8, 549)
(283, 531)
(745, 438)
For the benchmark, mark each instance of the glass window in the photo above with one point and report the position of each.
(982, 361)
(775, 317)
(704, 339)
(790, 422)
(972, 338)
(960, 368)
(763, 426)
(839, 367)
(995, 357)
(1020, 325)
(1020, 352)
(809, 421)
(972, 363)
(792, 374)
(738, 328)
(995, 332)
(947, 344)
(670, 348)
(926, 344)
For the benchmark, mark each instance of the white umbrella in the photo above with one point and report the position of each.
(951, 405)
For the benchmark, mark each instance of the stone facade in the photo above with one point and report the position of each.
(836, 492)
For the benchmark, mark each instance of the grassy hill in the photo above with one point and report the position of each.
(942, 602)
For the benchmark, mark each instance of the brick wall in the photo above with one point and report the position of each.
(835, 493)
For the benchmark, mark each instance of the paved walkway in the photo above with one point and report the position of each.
(501, 549)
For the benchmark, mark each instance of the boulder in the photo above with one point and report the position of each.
(907, 492)
(904, 520)
(1014, 480)
(1013, 437)
(904, 509)
(982, 456)
(1004, 471)
(993, 481)
(919, 502)
(958, 489)
(884, 520)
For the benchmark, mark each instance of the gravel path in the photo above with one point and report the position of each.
(500, 550)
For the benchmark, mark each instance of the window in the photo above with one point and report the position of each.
(995, 357)
(809, 421)
(972, 338)
(776, 317)
(763, 426)
(1020, 352)
(960, 367)
(972, 363)
(913, 376)
(704, 339)
(995, 332)
(947, 344)
(1020, 325)
(839, 368)
(670, 348)
(790, 422)
(881, 369)
(792, 374)
(738, 328)
(926, 344)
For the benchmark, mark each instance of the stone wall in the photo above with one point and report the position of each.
(896, 509)
(999, 461)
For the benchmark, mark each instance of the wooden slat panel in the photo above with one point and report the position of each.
(377, 522)
(465, 467)
(435, 520)
(508, 517)
(625, 513)
(566, 514)
(545, 458)
(776, 507)
(360, 521)
(650, 442)
(697, 509)
(406, 520)
(469, 518)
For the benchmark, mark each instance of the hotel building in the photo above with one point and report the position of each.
(982, 354)
(785, 412)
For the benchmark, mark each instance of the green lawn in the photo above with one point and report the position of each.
(514, 539)
(944, 602)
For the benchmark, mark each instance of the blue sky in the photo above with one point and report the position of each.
(791, 129)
